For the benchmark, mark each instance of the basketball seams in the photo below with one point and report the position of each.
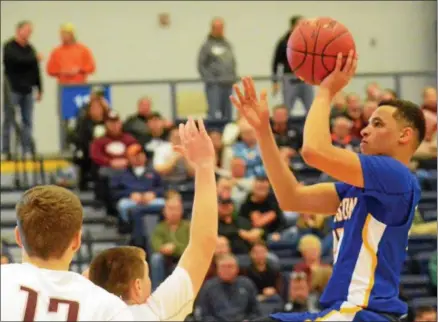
(314, 49)
(312, 54)
(305, 52)
(345, 32)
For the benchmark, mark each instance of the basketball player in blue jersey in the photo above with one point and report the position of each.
(373, 202)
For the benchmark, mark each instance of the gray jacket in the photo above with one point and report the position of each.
(216, 61)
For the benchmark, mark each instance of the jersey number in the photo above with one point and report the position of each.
(31, 304)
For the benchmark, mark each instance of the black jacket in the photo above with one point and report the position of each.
(21, 67)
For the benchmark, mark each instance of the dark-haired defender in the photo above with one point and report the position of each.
(373, 203)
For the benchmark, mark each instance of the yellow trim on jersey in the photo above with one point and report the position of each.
(373, 256)
(345, 310)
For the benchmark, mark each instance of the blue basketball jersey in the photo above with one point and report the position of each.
(370, 232)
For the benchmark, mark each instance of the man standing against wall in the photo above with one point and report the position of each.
(217, 67)
(71, 62)
(293, 88)
(21, 68)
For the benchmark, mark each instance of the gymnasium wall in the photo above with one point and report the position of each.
(128, 44)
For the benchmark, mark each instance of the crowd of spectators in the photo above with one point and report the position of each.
(136, 173)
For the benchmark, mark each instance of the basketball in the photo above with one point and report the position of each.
(313, 46)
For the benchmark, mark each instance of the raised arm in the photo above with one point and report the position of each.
(318, 150)
(198, 149)
(290, 194)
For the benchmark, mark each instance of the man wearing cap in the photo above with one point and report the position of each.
(109, 151)
(138, 186)
(71, 62)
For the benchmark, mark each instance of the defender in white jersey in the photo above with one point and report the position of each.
(49, 222)
(124, 272)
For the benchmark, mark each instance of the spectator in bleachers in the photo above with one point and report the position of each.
(169, 239)
(136, 124)
(429, 99)
(108, 152)
(388, 95)
(368, 109)
(228, 297)
(339, 105)
(171, 165)
(222, 248)
(237, 229)
(373, 91)
(287, 137)
(342, 134)
(21, 68)
(432, 271)
(248, 150)
(71, 62)
(299, 299)
(217, 68)
(231, 131)
(239, 185)
(311, 249)
(354, 113)
(139, 186)
(425, 314)
(108, 156)
(5, 254)
(320, 277)
(265, 277)
(293, 87)
(216, 138)
(89, 126)
(420, 227)
(262, 209)
(156, 134)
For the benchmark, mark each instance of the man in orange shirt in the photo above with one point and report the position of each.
(71, 62)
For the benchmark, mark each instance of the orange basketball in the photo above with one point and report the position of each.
(313, 46)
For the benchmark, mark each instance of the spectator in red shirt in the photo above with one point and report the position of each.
(109, 151)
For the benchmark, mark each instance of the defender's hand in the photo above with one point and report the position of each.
(254, 109)
(196, 145)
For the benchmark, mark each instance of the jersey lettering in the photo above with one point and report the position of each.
(31, 304)
(345, 209)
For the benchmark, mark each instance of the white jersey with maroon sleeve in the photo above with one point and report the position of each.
(172, 301)
(29, 293)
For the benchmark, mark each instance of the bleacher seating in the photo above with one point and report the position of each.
(100, 232)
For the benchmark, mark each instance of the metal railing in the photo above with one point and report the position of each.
(173, 85)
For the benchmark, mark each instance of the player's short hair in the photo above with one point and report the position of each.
(410, 113)
(116, 268)
(48, 218)
(294, 20)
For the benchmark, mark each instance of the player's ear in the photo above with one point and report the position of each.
(406, 135)
(18, 237)
(76, 243)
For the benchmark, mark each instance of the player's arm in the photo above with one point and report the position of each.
(318, 150)
(291, 195)
(197, 256)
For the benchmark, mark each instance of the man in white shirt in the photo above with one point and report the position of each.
(123, 270)
(49, 223)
